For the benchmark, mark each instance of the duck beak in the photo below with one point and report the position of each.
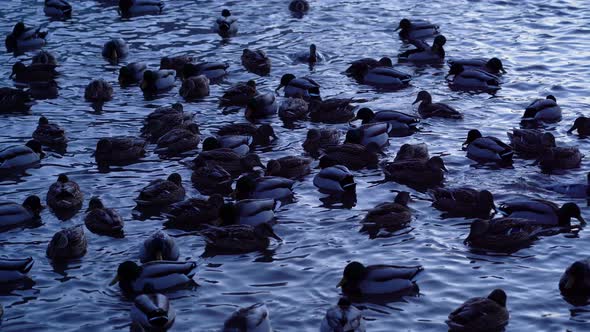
(278, 88)
(342, 282)
(159, 256)
(416, 101)
(114, 281)
(444, 168)
(275, 236)
(12, 75)
(398, 28)
(464, 145)
(572, 129)
(503, 70)
(582, 221)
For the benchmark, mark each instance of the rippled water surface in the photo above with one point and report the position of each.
(544, 46)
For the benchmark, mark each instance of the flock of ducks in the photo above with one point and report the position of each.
(244, 223)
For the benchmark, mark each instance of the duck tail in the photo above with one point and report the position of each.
(507, 155)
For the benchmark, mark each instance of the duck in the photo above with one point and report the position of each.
(487, 149)
(559, 158)
(542, 212)
(304, 87)
(226, 25)
(165, 119)
(15, 270)
(214, 71)
(359, 280)
(69, 243)
(50, 134)
(256, 61)
(261, 106)
(575, 280)
(129, 8)
(412, 152)
(14, 100)
(319, 139)
(582, 125)
(44, 58)
(156, 276)
(274, 187)
(57, 8)
(152, 312)
(115, 50)
(293, 109)
(239, 94)
(98, 91)
(64, 194)
(376, 133)
(194, 213)
(178, 140)
(25, 38)
(472, 79)
(502, 234)
(424, 53)
(159, 246)
(401, 124)
(261, 135)
(428, 109)
(251, 212)
(102, 220)
(385, 78)
(194, 87)
(343, 317)
(358, 68)
(132, 73)
(299, 6)
(252, 318)
(238, 143)
(335, 179)
(481, 313)
(530, 143)
(577, 190)
(416, 29)
(210, 178)
(156, 81)
(390, 215)
(21, 157)
(119, 150)
(34, 73)
(162, 192)
(331, 111)
(175, 62)
(14, 214)
(545, 110)
(418, 173)
(311, 57)
(239, 238)
(290, 167)
(353, 156)
(493, 65)
(232, 162)
(463, 201)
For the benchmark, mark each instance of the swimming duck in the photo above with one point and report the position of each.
(311, 57)
(232, 162)
(238, 143)
(358, 68)
(481, 313)
(58, 8)
(577, 190)
(582, 125)
(492, 66)
(115, 50)
(343, 317)
(64, 194)
(119, 151)
(21, 157)
(291, 167)
(463, 201)
(14, 270)
(472, 79)
(333, 110)
(154, 276)
(261, 106)
(542, 212)
(385, 77)
(156, 81)
(401, 124)
(210, 178)
(49, 134)
(502, 234)
(13, 214)
(359, 280)
(318, 139)
(557, 158)
(102, 220)
(299, 6)
(251, 212)
(194, 87)
(226, 25)
(131, 73)
(33, 73)
(575, 281)
(304, 87)
(376, 133)
(44, 58)
(159, 247)
(416, 29)
(178, 140)
(353, 156)
(334, 179)
(14, 100)
(69, 243)
(194, 213)
(162, 192)
(239, 94)
(175, 62)
(293, 109)
(129, 8)
(416, 173)
(98, 91)
(261, 135)
(391, 215)
(215, 71)
(545, 110)
(152, 312)
(423, 53)
(25, 38)
(487, 149)
(530, 143)
(412, 152)
(239, 238)
(428, 109)
(256, 62)
(165, 119)
(252, 318)
(274, 187)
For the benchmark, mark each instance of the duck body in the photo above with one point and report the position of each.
(251, 212)
(273, 187)
(463, 201)
(194, 87)
(502, 234)
(577, 190)
(487, 149)
(210, 178)
(353, 156)
(57, 8)
(226, 25)
(428, 109)
(391, 215)
(542, 212)
(373, 280)
(293, 109)
(319, 139)
(159, 80)
(290, 167)
(425, 54)
(557, 158)
(162, 192)
(371, 133)
(119, 151)
(401, 124)
(175, 62)
(256, 62)
(178, 140)
(115, 49)
(98, 91)
(481, 314)
(545, 110)
(20, 157)
(163, 120)
(13, 214)
(156, 276)
(239, 238)
(157, 247)
(261, 135)
(582, 125)
(67, 244)
(417, 172)
(194, 213)
(131, 73)
(473, 79)
(130, 8)
(238, 143)
(239, 94)
(102, 220)
(416, 29)
(331, 111)
(214, 71)
(304, 87)
(254, 318)
(261, 106)
(358, 68)
(412, 152)
(14, 100)
(575, 281)
(152, 312)
(493, 66)
(232, 162)
(530, 143)
(334, 179)
(386, 77)
(343, 317)
(49, 134)
(14, 270)
(24, 38)
(64, 194)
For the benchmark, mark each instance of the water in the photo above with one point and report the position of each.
(543, 47)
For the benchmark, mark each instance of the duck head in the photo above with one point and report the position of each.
(33, 204)
(225, 13)
(439, 41)
(44, 57)
(456, 69)
(244, 186)
(264, 230)
(579, 123)
(273, 167)
(548, 140)
(472, 135)
(424, 97)
(62, 178)
(436, 163)
(353, 273)
(17, 68)
(285, 80)
(193, 128)
(478, 228)
(498, 296)
(486, 200)
(404, 24)
(252, 84)
(568, 211)
(495, 65)
(18, 29)
(385, 62)
(574, 279)
(551, 97)
(211, 143)
(365, 114)
(175, 178)
(402, 198)
(125, 75)
(127, 272)
(36, 147)
(43, 121)
(95, 204)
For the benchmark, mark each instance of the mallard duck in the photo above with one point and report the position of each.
(575, 281)
(152, 312)
(416, 172)
(299, 6)
(353, 156)
(343, 317)
(304, 87)
(226, 25)
(391, 215)
(530, 143)
(274, 187)
(370, 133)
(178, 140)
(412, 152)
(492, 66)
(360, 280)
(69, 243)
(214, 71)
(57, 8)
(261, 106)
(98, 91)
(423, 53)
(239, 238)
(291, 167)
(251, 212)
(472, 79)
(44, 58)
(318, 139)
(384, 77)
(252, 318)
(333, 110)
(577, 190)
(163, 120)
(502, 234)
(159, 247)
(129, 8)
(156, 81)
(154, 276)
(194, 213)
(416, 29)
(21, 157)
(293, 109)
(559, 157)
(64, 194)
(210, 178)
(102, 220)
(132, 73)
(119, 151)
(542, 212)
(334, 179)
(162, 192)
(256, 62)
(13, 214)
(358, 68)
(428, 109)
(582, 125)
(239, 144)
(14, 270)
(487, 149)
(481, 313)
(49, 134)
(14, 100)
(463, 201)
(194, 87)
(401, 124)
(261, 135)
(239, 94)
(115, 50)
(234, 163)
(311, 57)
(25, 38)
(175, 62)
(33, 73)
(545, 110)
